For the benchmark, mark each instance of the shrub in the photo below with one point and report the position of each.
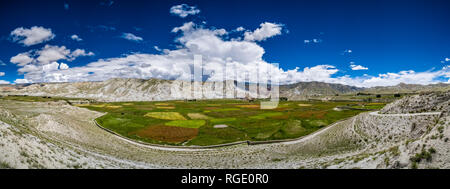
(432, 150)
(441, 129)
(4, 165)
(386, 161)
(423, 155)
(415, 158)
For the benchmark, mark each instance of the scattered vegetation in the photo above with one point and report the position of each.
(4, 165)
(386, 161)
(441, 129)
(424, 155)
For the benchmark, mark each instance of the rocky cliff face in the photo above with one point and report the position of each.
(156, 89)
(425, 102)
(137, 90)
(408, 88)
(302, 90)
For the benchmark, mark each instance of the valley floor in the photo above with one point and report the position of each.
(53, 135)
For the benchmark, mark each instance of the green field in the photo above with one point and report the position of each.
(209, 122)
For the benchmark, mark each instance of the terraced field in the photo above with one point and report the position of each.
(210, 122)
(51, 133)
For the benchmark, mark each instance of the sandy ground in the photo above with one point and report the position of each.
(376, 113)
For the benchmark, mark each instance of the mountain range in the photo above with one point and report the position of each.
(121, 89)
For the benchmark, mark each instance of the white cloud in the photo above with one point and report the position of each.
(2, 63)
(21, 59)
(45, 59)
(266, 30)
(348, 51)
(131, 37)
(217, 51)
(52, 53)
(50, 67)
(156, 48)
(169, 65)
(184, 28)
(447, 59)
(32, 36)
(221, 32)
(308, 41)
(21, 81)
(240, 29)
(29, 68)
(76, 38)
(408, 77)
(63, 66)
(184, 10)
(2, 74)
(4, 82)
(358, 67)
(208, 43)
(79, 52)
(175, 64)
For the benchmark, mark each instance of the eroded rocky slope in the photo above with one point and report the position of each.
(408, 88)
(122, 89)
(303, 90)
(424, 102)
(131, 90)
(155, 89)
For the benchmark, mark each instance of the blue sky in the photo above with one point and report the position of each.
(363, 43)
